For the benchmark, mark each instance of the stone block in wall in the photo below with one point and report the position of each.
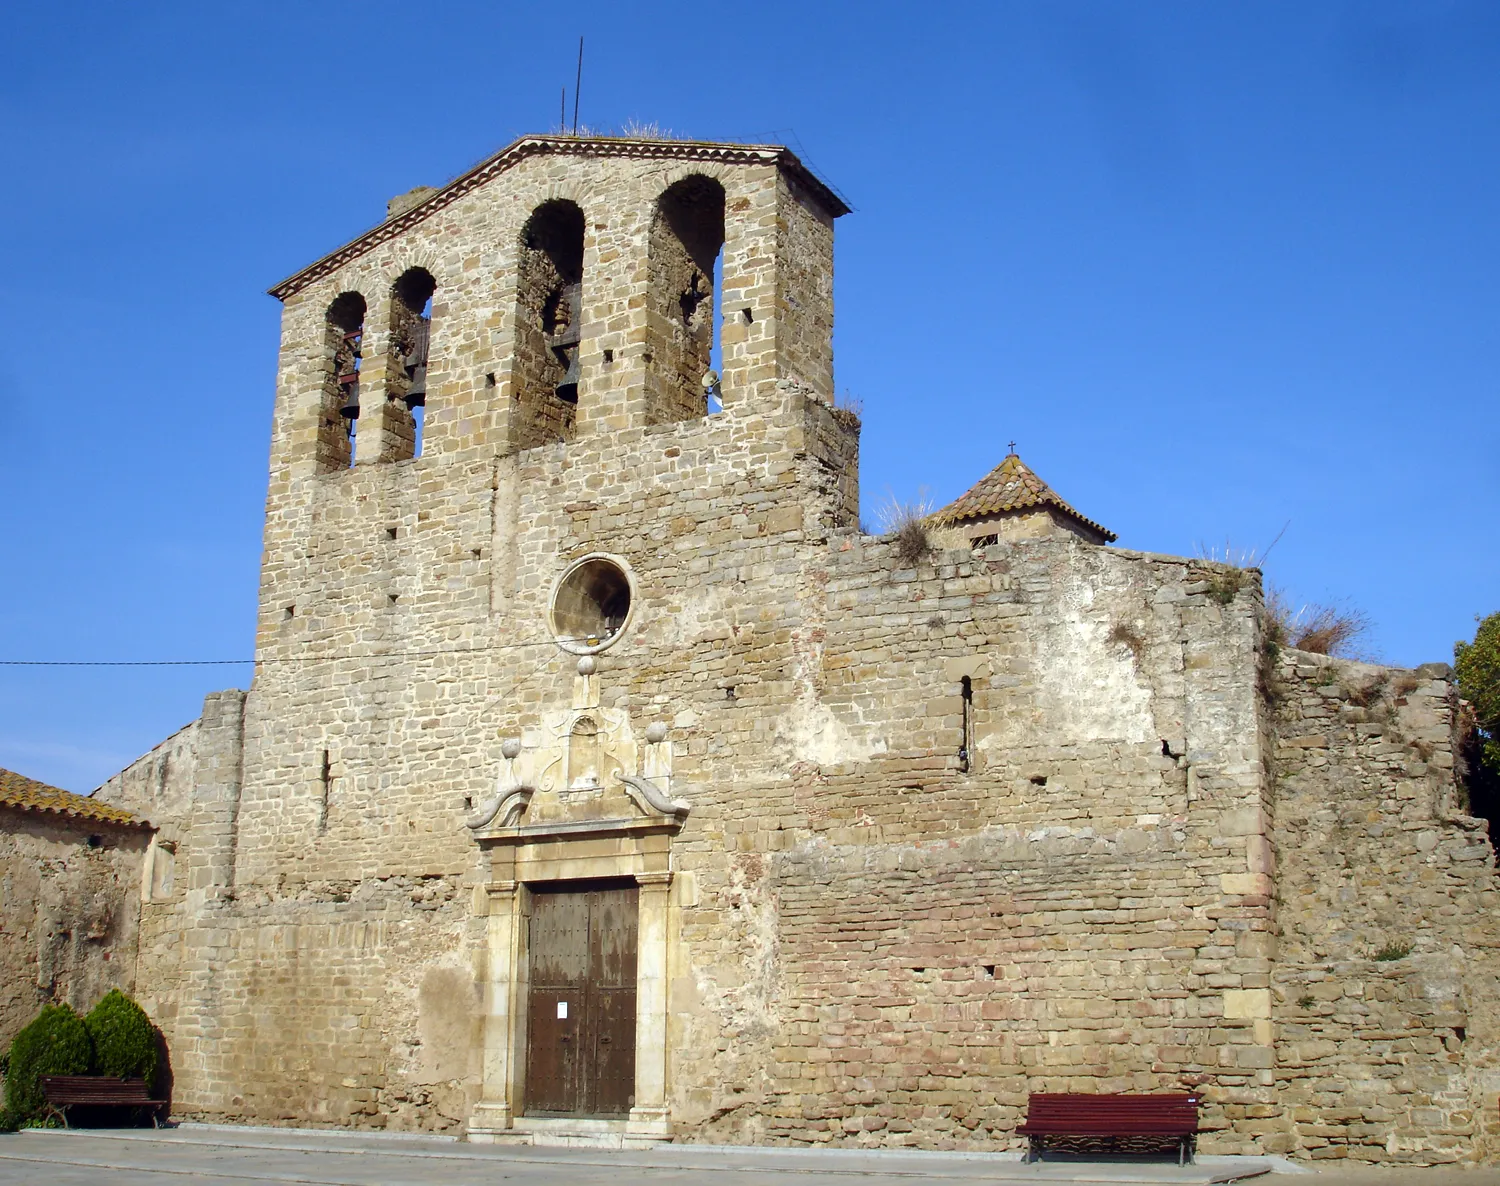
(1247, 1004)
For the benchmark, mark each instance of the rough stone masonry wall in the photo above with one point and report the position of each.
(190, 784)
(346, 961)
(68, 912)
(881, 948)
(1395, 1058)
(158, 785)
(804, 298)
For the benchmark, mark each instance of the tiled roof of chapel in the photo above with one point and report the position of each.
(1010, 486)
(16, 790)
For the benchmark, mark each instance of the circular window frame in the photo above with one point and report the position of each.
(572, 645)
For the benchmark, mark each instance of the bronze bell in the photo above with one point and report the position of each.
(350, 408)
(416, 394)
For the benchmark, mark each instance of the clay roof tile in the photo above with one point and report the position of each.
(1010, 486)
(16, 790)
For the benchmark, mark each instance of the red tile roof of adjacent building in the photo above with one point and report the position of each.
(16, 790)
(1010, 486)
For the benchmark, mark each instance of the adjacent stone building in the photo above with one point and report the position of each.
(600, 778)
(70, 883)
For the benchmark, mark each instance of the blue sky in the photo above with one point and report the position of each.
(1216, 267)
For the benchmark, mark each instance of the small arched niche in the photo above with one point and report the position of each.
(405, 406)
(584, 755)
(687, 239)
(549, 324)
(338, 411)
(591, 604)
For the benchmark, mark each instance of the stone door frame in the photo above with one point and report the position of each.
(521, 858)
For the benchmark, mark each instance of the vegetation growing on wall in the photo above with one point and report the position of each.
(904, 525)
(1333, 630)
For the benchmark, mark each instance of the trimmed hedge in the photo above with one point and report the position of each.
(124, 1040)
(55, 1043)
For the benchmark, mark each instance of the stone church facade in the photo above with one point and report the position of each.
(601, 779)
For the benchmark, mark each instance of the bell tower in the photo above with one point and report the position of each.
(564, 288)
(552, 444)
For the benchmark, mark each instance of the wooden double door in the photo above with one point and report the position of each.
(580, 1053)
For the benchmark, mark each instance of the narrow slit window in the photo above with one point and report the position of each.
(325, 780)
(966, 748)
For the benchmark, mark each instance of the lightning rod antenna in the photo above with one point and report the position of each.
(577, 84)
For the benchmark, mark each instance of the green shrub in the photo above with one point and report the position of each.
(8, 1121)
(123, 1038)
(55, 1043)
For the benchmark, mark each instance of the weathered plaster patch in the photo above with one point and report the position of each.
(1088, 687)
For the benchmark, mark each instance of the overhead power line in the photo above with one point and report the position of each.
(131, 662)
(381, 656)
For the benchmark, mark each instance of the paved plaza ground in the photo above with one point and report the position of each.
(235, 1156)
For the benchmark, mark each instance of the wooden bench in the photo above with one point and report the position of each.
(1112, 1117)
(98, 1091)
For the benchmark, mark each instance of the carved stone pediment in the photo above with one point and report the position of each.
(502, 810)
(651, 799)
(581, 771)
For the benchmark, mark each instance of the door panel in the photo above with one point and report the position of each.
(554, 1069)
(614, 1046)
(560, 939)
(612, 938)
(580, 1056)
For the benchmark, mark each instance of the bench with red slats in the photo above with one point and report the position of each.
(1173, 1115)
(98, 1091)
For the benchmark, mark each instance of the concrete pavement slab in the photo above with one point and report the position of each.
(222, 1155)
(201, 1153)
